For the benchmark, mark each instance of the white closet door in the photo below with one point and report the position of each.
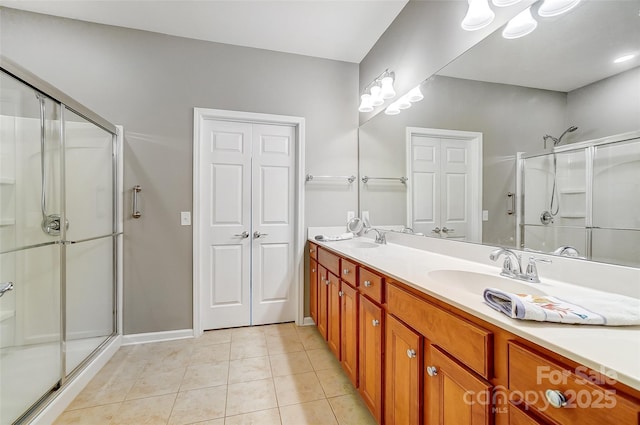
(425, 184)
(225, 213)
(455, 173)
(273, 224)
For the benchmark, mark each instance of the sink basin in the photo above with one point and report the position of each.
(362, 244)
(476, 283)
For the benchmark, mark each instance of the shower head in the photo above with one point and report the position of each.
(568, 130)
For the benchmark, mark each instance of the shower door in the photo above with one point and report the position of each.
(30, 192)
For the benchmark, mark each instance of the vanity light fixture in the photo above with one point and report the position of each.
(624, 58)
(415, 95)
(403, 103)
(392, 109)
(521, 25)
(478, 16)
(376, 92)
(556, 7)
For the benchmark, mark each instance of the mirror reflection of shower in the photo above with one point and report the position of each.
(50, 222)
(554, 205)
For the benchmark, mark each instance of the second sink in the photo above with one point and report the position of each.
(476, 283)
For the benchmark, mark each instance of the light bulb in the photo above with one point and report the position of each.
(415, 95)
(521, 25)
(387, 91)
(392, 109)
(624, 58)
(365, 105)
(403, 103)
(376, 97)
(556, 7)
(504, 3)
(478, 16)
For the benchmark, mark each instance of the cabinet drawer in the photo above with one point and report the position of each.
(330, 261)
(531, 375)
(348, 272)
(313, 251)
(371, 285)
(518, 417)
(464, 340)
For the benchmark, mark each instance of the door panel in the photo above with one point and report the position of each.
(425, 184)
(225, 182)
(455, 169)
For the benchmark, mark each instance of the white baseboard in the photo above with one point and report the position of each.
(72, 388)
(308, 321)
(146, 338)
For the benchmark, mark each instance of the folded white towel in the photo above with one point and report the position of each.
(608, 310)
(342, 237)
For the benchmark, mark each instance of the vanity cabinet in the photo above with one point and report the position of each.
(403, 365)
(371, 352)
(333, 314)
(518, 417)
(349, 332)
(323, 291)
(313, 290)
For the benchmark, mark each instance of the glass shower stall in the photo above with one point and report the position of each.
(58, 240)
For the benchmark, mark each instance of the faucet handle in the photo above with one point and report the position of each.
(531, 273)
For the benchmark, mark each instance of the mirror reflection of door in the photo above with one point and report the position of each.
(445, 183)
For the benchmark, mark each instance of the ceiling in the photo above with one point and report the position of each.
(342, 30)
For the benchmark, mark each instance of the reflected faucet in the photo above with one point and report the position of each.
(380, 235)
(567, 251)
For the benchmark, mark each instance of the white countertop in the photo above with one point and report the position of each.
(612, 350)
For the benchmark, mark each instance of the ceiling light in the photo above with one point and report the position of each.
(624, 58)
(365, 105)
(415, 95)
(376, 96)
(521, 25)
(504, 3)
(556, 7)
(403, 103)
(392, 109)
(387, 91)
(478, 16)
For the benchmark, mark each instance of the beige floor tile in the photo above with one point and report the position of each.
(252, 396)
(290, 363)
(157, 384)
(243, 349)
(199, 405)
(145, 411)
(251, 369)
(262, 417)
(249, 333)
(214, 337)
(279, 328)
(99, 415)
(205, 375)
(335, 382)
(323, 359)
(168, 358)
(219, 421)
(294, 389)
(121, 370)
(313, 413)
(312, 339)
(349, 409)
(210, 353)
(99, 393)
(279, 345)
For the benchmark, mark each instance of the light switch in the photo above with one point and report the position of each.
(185, 218)
(485, 215)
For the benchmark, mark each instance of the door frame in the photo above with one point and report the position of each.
(199, 116)
(475, 138)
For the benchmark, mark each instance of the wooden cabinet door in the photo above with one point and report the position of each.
(403, 379)
(313, 290)
(370, 355)
(349, 332)
(454, 395)
(333, 315)
(323, 310)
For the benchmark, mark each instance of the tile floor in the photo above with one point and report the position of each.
(274, 374)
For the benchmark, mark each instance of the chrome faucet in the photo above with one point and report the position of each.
(514, 271)
(407, 229)
(380, 236)
(567, 251)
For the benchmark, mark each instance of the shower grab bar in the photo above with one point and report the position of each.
(402, 180)
(350, 179)
(136, 212)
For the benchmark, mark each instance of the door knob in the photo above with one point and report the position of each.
(257, 234)
(436, 230)
(445, 230)
(242, 235)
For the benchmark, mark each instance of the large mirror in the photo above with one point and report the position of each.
(495, 131)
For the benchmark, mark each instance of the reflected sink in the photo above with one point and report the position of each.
(361, 244)
(476, 283)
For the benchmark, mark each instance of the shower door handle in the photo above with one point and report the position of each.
(5, 287)
(136, 211)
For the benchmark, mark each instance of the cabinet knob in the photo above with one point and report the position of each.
(313, 270)
(345, 271)
(411, 353)
(432, 370)
(375, 322)
(326, 282)
(367, 283)
(311, 251)
(555, 398)
(340, 293)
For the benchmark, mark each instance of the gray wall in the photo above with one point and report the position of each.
(512, 119)
(422, 39)
(606, 107)
(150, 83)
